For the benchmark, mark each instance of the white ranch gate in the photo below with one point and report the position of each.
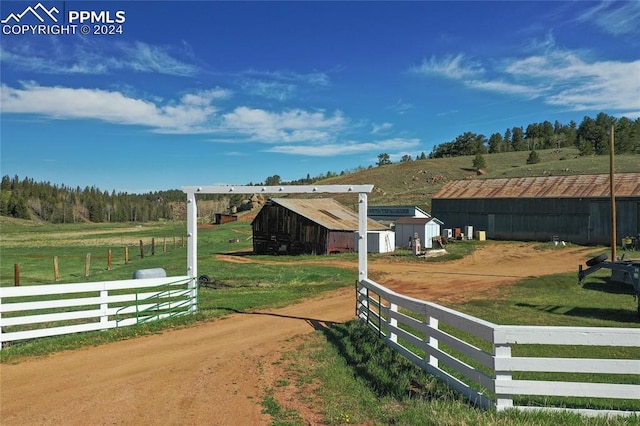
(29, 312)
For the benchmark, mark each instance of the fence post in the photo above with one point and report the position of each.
(174, 241)
(16, 274)
(141, 250)
(153, 246)
(109, 260)
(164, 245)
(87, 265)
(126, 255)
(501, 350)
(393, 322)
(56, 271)
(104, 308)
(433, 342)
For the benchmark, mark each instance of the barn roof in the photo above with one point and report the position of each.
(328, 213)
(419, 220)
(577, 186)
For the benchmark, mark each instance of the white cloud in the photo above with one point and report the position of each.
(346, 148)
(617, 18)
(189, 115)
(144, 57)
(401, 107)
(194, 112)
(96, 58)
(505, 87)
(377, 128)
(312, 79)
(455, 67)
(289, 126)
(558, 77)
(565, 79)
(268, 89)
(293, 131)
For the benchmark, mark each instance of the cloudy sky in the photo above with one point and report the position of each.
(208, 92)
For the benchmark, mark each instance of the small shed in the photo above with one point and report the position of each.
(306, 226)
(379, 241)
(426, 227)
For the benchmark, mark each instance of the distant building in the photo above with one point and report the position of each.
(391, 213)
(306, 226)
(222, 218)
(406, 222)
(570, 208)
(425, 227)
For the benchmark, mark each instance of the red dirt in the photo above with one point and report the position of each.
(216, 373)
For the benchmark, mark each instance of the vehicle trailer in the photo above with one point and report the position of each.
(624, 271)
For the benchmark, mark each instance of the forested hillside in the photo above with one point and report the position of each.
(590, 137)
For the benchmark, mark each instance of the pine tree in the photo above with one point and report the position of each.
(533, 157)
(479, 163)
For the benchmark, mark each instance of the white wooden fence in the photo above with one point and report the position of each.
(50, 310)
(475, 357)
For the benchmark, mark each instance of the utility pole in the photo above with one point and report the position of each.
(612, 187)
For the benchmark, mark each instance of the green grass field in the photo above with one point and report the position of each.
(363, 382)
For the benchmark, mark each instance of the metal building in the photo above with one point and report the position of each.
(570, 208)
(306, 226)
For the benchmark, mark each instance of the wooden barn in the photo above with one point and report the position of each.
(306, 226)
(222, 218)
(570, 208)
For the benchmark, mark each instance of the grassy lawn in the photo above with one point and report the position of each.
(362, 381)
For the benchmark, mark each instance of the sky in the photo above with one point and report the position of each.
(139, 96)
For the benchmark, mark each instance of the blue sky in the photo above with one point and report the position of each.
(201, 93)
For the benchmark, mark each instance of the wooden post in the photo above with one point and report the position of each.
(183, 241)
(126, 255)
(16, 274)
(174, 241)
(87, 265)
(141, 250)
(612, 190)
(153, 246)
(109, 260)
(56, 271)
(164, 245)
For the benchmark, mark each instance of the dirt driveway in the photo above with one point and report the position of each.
(215, 373)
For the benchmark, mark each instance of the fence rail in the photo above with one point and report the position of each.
(55, 309)
(476, 357)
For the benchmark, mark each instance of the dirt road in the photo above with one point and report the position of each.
(215, 373)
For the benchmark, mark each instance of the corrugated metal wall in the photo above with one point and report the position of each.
(579, 220)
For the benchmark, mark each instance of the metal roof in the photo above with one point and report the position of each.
(577, 186)
(419, 220)
(327, 212)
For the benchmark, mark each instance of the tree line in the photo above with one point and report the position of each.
(591, 137)
(25, 198)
